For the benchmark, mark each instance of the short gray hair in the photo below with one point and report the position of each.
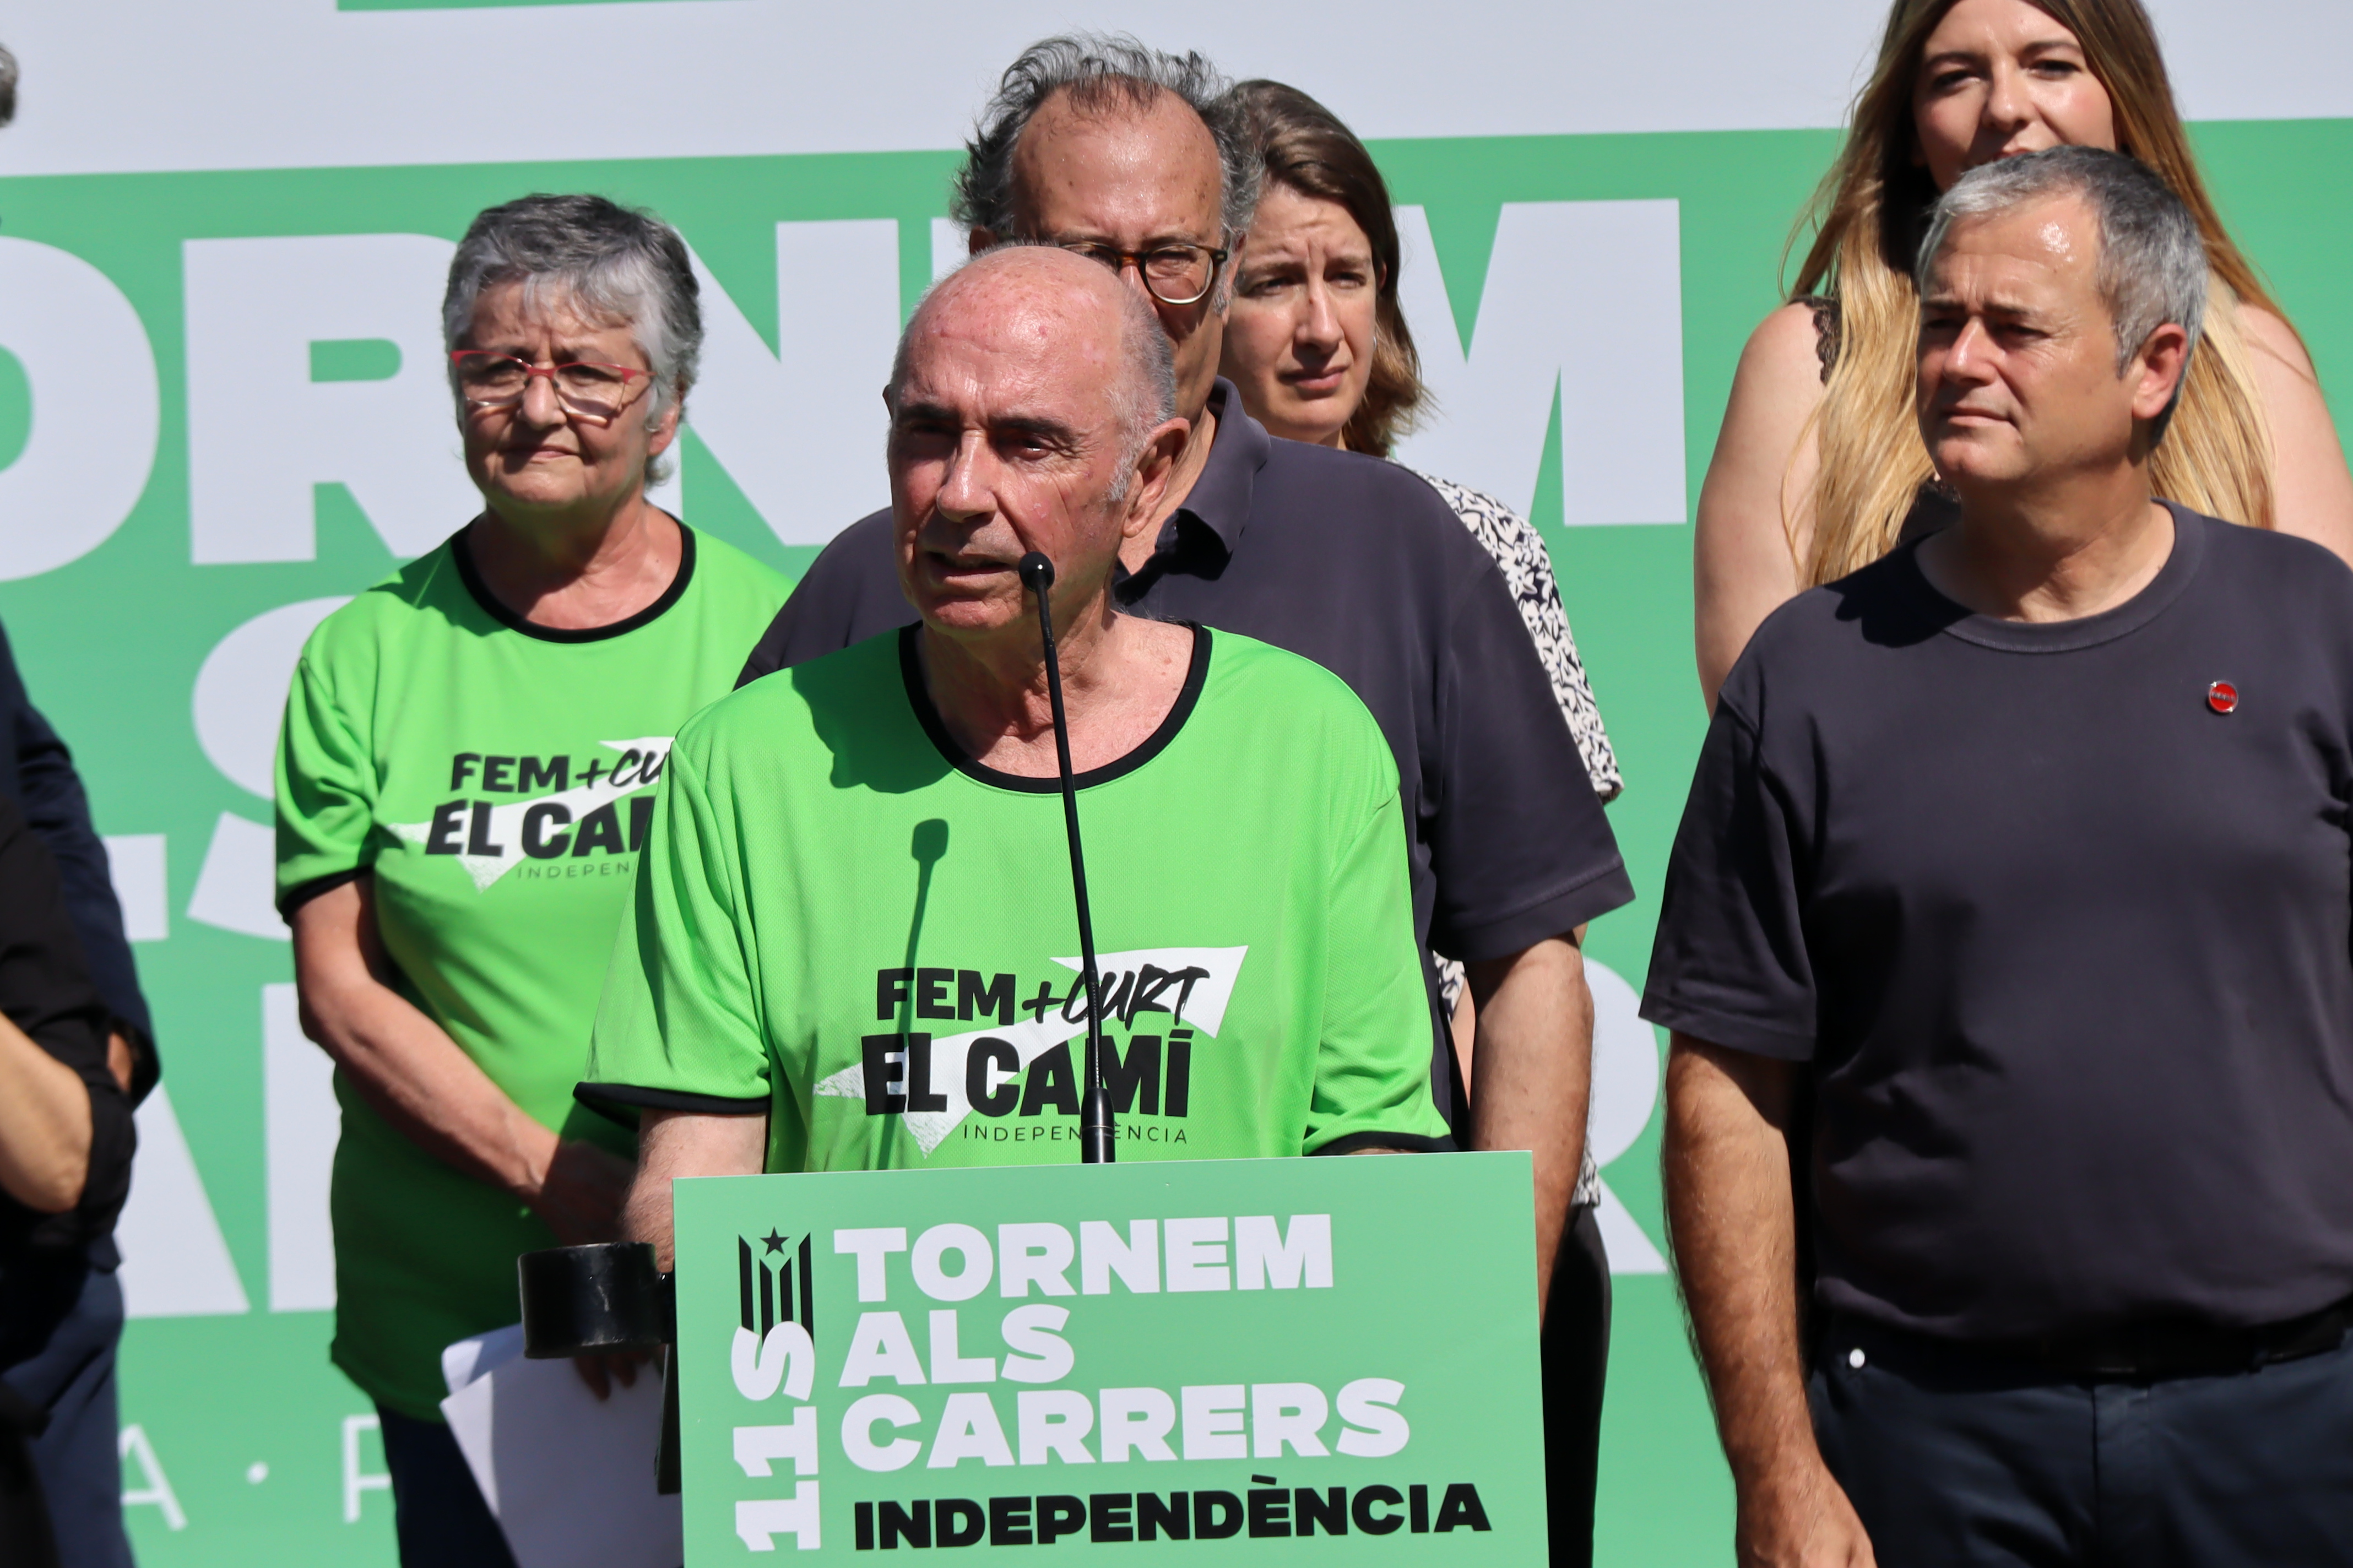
(7, 86)
(1147, 391)
(2152, 266)
(603, 261)
(1101, 70)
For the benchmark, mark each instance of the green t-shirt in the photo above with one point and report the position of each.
(847, 922)
(496, 780)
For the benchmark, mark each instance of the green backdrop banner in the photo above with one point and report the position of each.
(1224, 1353)
(221, 413)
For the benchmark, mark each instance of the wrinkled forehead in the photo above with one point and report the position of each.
(990, 345)
(2049, 243)
(1108, 161)
(543, 304)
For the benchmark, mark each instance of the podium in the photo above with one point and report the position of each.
(1326, 1359)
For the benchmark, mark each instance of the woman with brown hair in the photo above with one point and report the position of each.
(1317, 345)
(1819, 469)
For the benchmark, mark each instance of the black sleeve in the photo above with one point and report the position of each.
(849, 592)
(621, 1102)
(47, 991)
(1520, 845)
(49, 792)
(1730, 963)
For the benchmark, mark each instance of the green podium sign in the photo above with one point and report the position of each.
(1254, 1358)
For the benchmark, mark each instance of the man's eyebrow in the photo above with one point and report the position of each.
(2006, 310)
(1053, 432)
(1152, 242)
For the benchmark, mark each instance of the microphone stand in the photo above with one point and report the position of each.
(1098, 1137)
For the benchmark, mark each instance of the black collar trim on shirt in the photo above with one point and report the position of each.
(497, 611)
(2068, 637)
(911, 671)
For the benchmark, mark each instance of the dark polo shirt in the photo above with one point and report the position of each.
(2062, 927)
(1356, 563)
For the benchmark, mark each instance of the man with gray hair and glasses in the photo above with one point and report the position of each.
(2017, 882)
(1139, 160)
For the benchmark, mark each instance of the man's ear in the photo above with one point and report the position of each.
(1154, 465)
(2156, 371)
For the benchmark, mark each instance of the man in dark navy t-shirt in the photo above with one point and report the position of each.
(2018, 873)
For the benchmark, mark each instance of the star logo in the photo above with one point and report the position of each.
(779, 1292)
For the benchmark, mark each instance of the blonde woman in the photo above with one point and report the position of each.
(1819, 469)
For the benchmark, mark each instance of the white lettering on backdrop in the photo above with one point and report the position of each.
(262, 431)
(1625, 1096)
(95, 414)
(1585, 297)
(240, 698)
(301, 1125)
(174, 1262)
(800, 429)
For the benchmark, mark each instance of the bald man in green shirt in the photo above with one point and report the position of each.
(853, 945)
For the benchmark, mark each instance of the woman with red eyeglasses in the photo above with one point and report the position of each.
(464, 778)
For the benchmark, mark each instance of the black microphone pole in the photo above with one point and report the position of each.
(1098, 1137)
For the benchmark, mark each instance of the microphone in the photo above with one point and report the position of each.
(1098, 1137)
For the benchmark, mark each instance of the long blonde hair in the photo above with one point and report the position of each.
(1868, 219)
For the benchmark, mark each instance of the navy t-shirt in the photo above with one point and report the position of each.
(2067, 945)
(47, 993)
(1356, 563)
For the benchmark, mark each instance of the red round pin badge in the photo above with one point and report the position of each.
(2222, 697)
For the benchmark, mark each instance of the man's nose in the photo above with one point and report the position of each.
(1131, 272)
(1970, 357)
(965, 491)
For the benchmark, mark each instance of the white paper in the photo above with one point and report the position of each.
(570, 1478)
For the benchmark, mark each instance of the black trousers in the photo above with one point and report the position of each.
(1575, 1344)
(439, 1514)
(1951, 1459)
(61, 1489)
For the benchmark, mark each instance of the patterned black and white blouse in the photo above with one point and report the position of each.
(1519, 551)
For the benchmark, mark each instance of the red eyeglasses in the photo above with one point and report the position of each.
(488, 380)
